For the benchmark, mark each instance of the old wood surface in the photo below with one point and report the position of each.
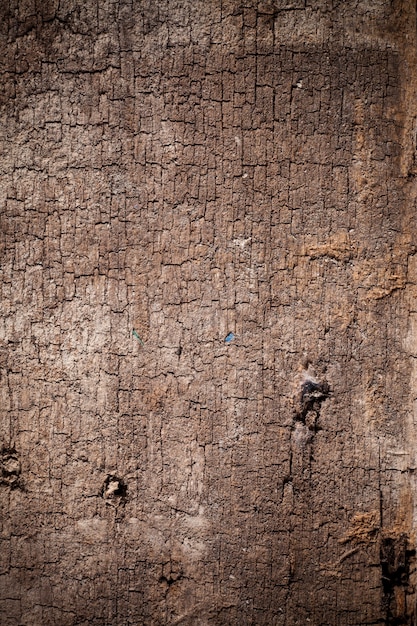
(173, 174)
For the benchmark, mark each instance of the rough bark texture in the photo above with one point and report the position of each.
(172, 172)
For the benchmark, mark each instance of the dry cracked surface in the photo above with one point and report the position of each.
(208, 329)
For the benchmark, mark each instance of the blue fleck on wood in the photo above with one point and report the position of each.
(135, 334)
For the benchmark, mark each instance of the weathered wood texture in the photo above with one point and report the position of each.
(189, 169)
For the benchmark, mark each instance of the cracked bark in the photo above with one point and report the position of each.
(209, 333)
